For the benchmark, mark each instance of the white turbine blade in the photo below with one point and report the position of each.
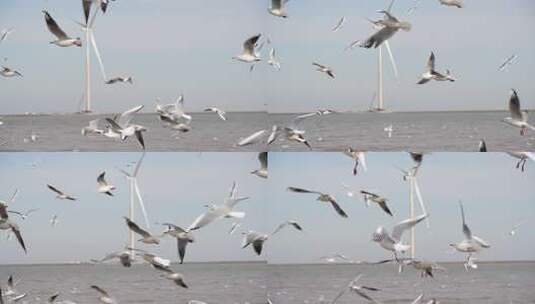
(420, 199)
(94, 43)
(138, 165)
(92, 21)
(141, 204)
(391, 55)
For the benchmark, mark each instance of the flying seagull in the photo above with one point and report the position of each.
(272, 60)
(432, 74)
(183, 238)
(359, 158)
(104, 297)
(62, 39)
(510, 60)
(388, 27)
(357, 289)
(4, 33)
(456, 3)
(147, 238)
(252, 139)
(92, 128)
(124, 126)
(339, 24)
(86, 4)
(471, 243)
(277, 8)
(7, 224)
(263, 171)
(176, 277)
(8, 72)
(257, 239)
(322, 197)
(249, 54)
(393, 241)
(518, 117)
(104, 186)
(522, 158)
(324, 69)
(219, 112)
(376, 198)
(60, 194)
(119, 80)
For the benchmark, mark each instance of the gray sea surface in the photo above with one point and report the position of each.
(497, 283)
(414, 131)
(212, 283)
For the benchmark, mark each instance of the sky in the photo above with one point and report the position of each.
(186, 46)
(175, 186)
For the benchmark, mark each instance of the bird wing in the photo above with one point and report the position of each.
(431, 62)
(257, 245)
(100, 290)
(379, 37)
(263, 158)
(319, 65)
(205, 219)
(337, 207)
(384, 206)
(369, 193)
(134, 227)
(481, 242)
(100, 179)
(301, 190)
(181, 246)
(87, 9)
(127, 116)
(339, 24)
(276, 4)
(514, 105)
(55, 189)
(53, 27)
(3, 212)
(423, 80)
(399, 228)
(17, 233)
(139, 137)
(250, 44)
(466, 229)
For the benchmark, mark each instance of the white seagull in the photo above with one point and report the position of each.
(8, 72)
(104, 186)
(104, 297)
(172, 275)
(277, 8)
(249, 54)
(376, 198)
(263, 171)
(62, 39)
(322, 197)
(252, 139)
(324, 69)
(119, 80)
(471, 244)
(124, 126)
(389, 26)
(510, 60)
(432, 74)
(4, 33)
(147, 238)
(92, 128)
(7, 224)
(359, 157)
(393, 241)
(226, 210)
(522, 158)
(60, 194)
(257, 239)
(518, 117)
(456, 3)
(272, 61)
(183, 238)
(339, 24)
(219, 112)
(54, 221)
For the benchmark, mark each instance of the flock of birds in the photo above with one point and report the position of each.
(391, 241)
(173, 115)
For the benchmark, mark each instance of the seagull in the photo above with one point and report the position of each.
(518, 117)
(147, 237)
(53, 298)
(523, 158)
(432, 74)
(257, 239)
(390, 26)
(4, 33)
(273, 135)
(60, 194)
(8, 72)
(120, 79)
(292, 132)
(24, 215)
(388, 130)
(324, 69)
(87, 6)
(63, 40)
(249, 54)
(456, 3)
(358, 289)
(104, 297)
(124, 256)
(359, 158)
(104, 186)
(392, 241)
(482, 146)
(226, 210)
(92, 128)
(376, 198)
(174, 112)
(337, 256)
(234, 227)
(125, 128)
(515, 228)
(54, 220)
(322, 197)
(471, 244)
(277, 8)
(510, 60)
(7, 224)
(183, 238)
(470, 263)
(272, 61)
(252, 139)
(176, 277)
(426, 268)
(339, 24)
(263, 171)
(219, 112)
(418, 158)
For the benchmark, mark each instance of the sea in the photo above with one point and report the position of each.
(411, 131)
(254, 283)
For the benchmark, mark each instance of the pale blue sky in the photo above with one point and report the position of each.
(175, 186)
(186, 46)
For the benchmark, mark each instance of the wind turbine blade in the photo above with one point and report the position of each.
(420, 199)
(390, 6)
(124, 172)
(392, 60)
(94, 43)
(92, 21)
(138, 165)
(141, 204)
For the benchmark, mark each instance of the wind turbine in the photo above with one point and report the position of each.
(414, 190)
(90, 39)
(135, 194)
(380, 95)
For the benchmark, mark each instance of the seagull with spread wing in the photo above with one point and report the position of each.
(218, 111)
(359, 157)
(183, 238)
(518, 117)
(324, 69)
(263, 171)
(147, 238)
(63, 39)
(393, 241)
(125, 128)
(257, 239)
(7, 224)
(455, 3)
(471, 243)
(9, 72)
(322, 197)
(432, 74)
(277, 8)
(60, 194)
(104, 186)
(104, 297)
(376, 198)
(249, 54)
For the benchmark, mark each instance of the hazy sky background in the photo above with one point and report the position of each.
(175, 186)
(186, 46)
